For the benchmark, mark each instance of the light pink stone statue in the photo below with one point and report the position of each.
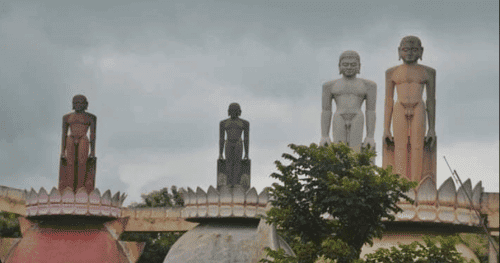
(408, 114)
(349, 94)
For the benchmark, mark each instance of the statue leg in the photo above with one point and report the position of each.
(418, 128)
(230, 162)
(69, 178)
(356, 132)
(83, 154)
(90, 175)
(400, 127)
(238, 151)
(338, 129)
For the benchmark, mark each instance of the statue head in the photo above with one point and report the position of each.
(410, 49)
(234, 110)
(80, 103)
(349, 63)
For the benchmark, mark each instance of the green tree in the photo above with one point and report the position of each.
(9, 225)
(478, 243)
(331, 200)
(417, 252)
(157, 244)
(161, 198)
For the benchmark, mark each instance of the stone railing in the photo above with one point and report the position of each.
(445, 205)
(227, 202)
(12, 200)
(13, 193)
(71, 203)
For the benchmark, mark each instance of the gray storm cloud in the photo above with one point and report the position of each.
(160, 76)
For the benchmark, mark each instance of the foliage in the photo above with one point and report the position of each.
(331, 200)
(279, 256)
(421, 253)
(161, 198)
(157, 244)
(478, 243)
(9, 225)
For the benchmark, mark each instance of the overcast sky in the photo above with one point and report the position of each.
(160, 76)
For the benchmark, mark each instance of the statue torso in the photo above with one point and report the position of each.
(234, 128)
(409, 81)
(79, 123)
(348, 94)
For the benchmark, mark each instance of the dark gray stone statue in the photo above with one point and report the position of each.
(233, 170)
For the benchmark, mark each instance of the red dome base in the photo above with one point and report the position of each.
(68, 239)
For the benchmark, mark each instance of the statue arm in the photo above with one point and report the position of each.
(326, 113)
(431, 103)
(65, 127)
(246, 138)
(371, 103)
(389, 104)
(221, 139)
(93, 124)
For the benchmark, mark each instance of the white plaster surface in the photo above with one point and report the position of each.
(225, 243)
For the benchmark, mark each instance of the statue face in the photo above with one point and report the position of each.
(234, 112)
(79, 104)
(410, 52)
(349, 66)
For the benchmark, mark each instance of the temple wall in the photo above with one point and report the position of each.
(156, 220)
(490, 206)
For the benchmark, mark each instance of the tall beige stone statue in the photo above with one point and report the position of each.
(349, 94)
(410, 152)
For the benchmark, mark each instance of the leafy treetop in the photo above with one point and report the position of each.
(332, 200)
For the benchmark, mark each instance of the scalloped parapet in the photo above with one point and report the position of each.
(446, 205)
(68, 202)
(228, 202)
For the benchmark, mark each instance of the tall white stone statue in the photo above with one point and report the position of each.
(349, 94)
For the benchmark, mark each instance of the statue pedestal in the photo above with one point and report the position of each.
(70, 179)
(67, 226)
(69, 238)
(242, 179)
(230, 227)
(429, 163)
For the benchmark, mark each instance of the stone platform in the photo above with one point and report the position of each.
(68, 202)
(70, 238)
(443, 205)
(230, 228)
(69, 227)
(228, 202)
